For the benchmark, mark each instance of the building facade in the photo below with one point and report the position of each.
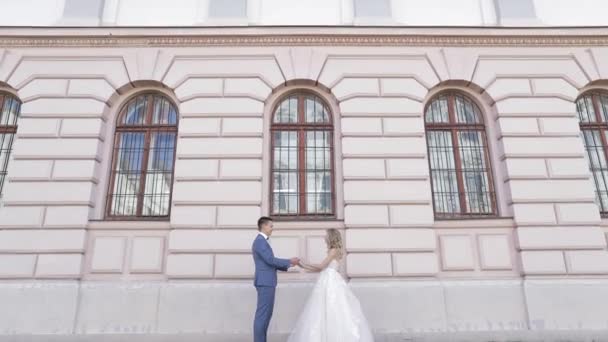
(465, 167)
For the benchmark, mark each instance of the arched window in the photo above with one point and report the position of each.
(302, 158)
(461, 175)
(143, 158)
(592, 111)
(10, 107)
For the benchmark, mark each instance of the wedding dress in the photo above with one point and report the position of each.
(332, 313)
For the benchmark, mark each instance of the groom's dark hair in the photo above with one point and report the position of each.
(262, 221)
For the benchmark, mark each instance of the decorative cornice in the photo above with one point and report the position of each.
(235, 41)
(290, 36)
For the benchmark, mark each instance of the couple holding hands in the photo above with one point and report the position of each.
(332, 312)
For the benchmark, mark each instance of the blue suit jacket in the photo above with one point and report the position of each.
(266, 265)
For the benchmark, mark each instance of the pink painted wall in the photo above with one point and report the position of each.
(52, 209)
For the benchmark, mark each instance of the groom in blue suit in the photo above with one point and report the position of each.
(266, 266)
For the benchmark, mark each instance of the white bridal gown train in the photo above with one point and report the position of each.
(332, 313)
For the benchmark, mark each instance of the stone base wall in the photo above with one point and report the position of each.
(225, 309)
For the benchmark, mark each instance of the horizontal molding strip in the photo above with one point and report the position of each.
(300, 36)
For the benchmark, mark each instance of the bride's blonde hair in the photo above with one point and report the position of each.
(334, 241)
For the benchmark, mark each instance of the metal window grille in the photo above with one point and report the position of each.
(592, 111)
(461, 174)
(143, 159)
(302, 172)
(10, 108)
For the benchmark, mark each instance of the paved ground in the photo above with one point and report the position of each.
(575, 336)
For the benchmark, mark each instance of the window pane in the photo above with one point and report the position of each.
(287, 111)
(83, 8)
(475, 172)
(286, 150)
(6, 142)
(159, 176)
(445, 192)
(135, 111)
(466, 111)
(318, 172)
(594, 148)
(516, 9)
(372, 8)
(597, 165)
(227, 8)
(603, 106)
(164, 112)
(285, 192)
(315, 111)
(285, 173)
(600, 178)
(127, 174)
(14, 112)
(318, 150)
(9, 110)
(310, 110)
(443, 172)
(318, 192)
(5, 110)
(437, 111)
(299, 13)
(585, 109)
(472, 150)
(285, 204)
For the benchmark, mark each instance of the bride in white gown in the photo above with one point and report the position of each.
(332, 313)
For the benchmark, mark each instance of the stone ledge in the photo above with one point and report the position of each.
(547, 336)
(488, 310)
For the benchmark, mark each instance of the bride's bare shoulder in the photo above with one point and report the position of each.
(334, 253)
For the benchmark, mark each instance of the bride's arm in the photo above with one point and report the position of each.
(308, 267)
(331, 255)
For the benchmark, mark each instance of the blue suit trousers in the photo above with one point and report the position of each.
(263, 312)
